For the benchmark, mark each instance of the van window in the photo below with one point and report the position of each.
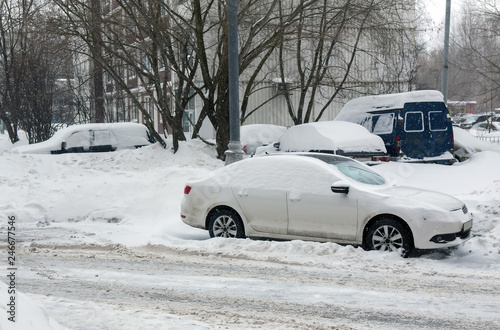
(414, 121)
(437, 121)
(383, 123)
(374, 123)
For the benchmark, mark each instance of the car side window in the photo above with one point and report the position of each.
(78, 139)
(414, 121)
(102, 138)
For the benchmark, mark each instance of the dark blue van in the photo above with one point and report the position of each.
(415, 126)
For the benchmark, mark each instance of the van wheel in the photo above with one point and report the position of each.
(387, 234)
(225, 223)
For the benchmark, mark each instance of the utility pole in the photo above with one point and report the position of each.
(444, 79)
(97, 71)
(234, 153)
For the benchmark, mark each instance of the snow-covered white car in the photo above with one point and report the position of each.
(92, 138)
(335, 137)
(322, 197)
(485, 129)
(256, 135)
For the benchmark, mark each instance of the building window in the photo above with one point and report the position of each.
(133, 110)
(186, 125)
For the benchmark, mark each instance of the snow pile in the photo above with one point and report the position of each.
(5, 143)
(28, 314)
(130, 195)
(466, 144)
(331, 135)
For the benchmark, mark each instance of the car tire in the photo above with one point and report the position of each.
(388, 234)
(225, 223)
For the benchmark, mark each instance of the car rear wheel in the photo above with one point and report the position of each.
(225, 223)
(388, 234)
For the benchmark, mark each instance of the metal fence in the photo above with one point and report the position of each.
(490, 139)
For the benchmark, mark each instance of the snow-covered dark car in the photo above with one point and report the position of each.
(92, 138)
(332, 137)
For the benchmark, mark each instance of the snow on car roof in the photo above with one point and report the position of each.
(389, 101)
(260, 133)
(331, 135)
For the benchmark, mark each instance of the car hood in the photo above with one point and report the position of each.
(424, 196)
(38, 148)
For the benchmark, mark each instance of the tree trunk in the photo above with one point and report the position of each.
(11, 130)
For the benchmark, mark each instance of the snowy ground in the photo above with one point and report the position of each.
(100, 245)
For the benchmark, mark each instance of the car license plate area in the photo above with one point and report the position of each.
(466, 226)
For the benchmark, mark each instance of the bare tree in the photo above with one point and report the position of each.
(30, 63)
(14, 22)
(474, 57)
(178, 51)
(340, 46)
(478, 51)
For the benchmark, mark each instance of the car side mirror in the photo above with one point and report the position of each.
(63, 145)
(340, 187)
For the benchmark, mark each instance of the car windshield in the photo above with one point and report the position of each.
(471, 119)
(351, 169)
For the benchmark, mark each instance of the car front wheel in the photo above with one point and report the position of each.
(388, 234)
(225, 223)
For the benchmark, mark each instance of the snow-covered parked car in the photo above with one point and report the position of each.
(322, 197)
(334, 137)
(256, 135)
(473, 120)
(92, 138)
(415, 126)
(485, 129)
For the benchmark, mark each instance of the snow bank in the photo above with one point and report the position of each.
(466, 144)
(29, 315)
(5, 143)
(131, 195)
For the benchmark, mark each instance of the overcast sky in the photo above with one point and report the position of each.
(437, 11)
